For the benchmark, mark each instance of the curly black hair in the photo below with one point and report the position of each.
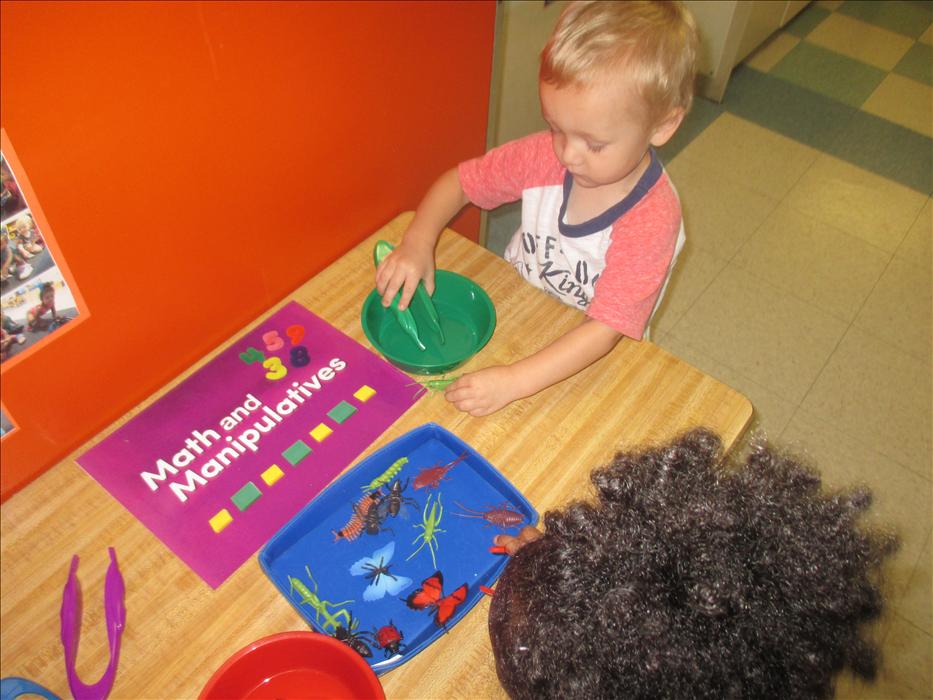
(691, 579)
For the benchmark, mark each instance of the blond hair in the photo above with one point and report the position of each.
(653, 42)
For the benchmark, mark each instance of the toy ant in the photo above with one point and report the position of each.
(393, 501)
(357, 641)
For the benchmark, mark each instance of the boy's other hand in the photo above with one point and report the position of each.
(514, 543)
(403, 269)
(483, 392)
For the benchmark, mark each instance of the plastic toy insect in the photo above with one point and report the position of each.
(376, 569)
(389, 639)
(393, 501)
(435, 386)
(353, 639)
(355, 524)
(430, 597)
(373, 519)
(429, 528)
(431, 476)
(386, 476)
(321, 607)
(503, 516)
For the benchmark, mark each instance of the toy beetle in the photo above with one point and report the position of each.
(389, 639)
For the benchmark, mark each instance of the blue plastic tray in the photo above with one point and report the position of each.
(461, 553)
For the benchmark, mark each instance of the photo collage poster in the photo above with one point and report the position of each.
(38, 297)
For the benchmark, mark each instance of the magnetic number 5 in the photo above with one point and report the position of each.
(272, 340)
(276, 368)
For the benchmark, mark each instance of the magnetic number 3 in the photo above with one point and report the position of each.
(276, 368)
(272, 340)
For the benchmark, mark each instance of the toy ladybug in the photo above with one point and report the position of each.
(389, 639)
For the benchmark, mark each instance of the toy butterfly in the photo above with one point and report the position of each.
(376, 569)
(430, 597)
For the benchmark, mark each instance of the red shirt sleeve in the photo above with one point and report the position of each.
(637, 261)
(506, 171)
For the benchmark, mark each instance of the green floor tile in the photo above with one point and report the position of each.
(917, 63)
(799, 114)
(341, 412)
(807, 21)
(296, 452)
(246, 496)
(828, 73)
(907, 18)
(886, 149)
(701, 115)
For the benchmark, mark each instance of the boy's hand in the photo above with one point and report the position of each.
(402, 269)
(513, 544)
(483, 392)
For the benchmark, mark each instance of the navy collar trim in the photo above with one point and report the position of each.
(608, 217)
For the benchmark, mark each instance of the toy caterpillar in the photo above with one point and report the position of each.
(387, 475)
(355, 524)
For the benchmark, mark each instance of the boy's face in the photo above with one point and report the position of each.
(601, 132)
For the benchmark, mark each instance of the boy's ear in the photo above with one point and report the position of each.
(663, 131)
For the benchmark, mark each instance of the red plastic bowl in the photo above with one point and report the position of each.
(294, 665)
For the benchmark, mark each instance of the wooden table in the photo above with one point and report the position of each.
(179, 630)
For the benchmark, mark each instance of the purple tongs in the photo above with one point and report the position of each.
(71, 628)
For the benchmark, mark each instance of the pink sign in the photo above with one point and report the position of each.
(222, 461)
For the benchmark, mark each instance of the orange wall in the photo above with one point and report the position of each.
(197, 161)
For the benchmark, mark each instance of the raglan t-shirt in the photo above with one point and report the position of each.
(613, 266)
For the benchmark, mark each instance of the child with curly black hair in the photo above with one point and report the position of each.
(691, 579)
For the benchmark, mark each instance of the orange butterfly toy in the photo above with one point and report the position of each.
(431, 597)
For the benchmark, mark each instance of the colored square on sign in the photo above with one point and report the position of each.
(321, 432)
(364, 393)
(221, 520)
(341, 412)
(246, 496)
(272, 474)
(296, 452)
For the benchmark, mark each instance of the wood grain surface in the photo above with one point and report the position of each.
(179, 630)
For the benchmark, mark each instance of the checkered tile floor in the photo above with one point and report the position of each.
(806, 281)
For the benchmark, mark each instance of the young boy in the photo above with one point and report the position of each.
(686, 579)
(601, 221)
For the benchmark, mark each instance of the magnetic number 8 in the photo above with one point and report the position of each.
(300, 356)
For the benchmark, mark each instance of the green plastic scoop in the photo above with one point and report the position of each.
(421, 301)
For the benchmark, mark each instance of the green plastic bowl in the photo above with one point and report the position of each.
(468, 319)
